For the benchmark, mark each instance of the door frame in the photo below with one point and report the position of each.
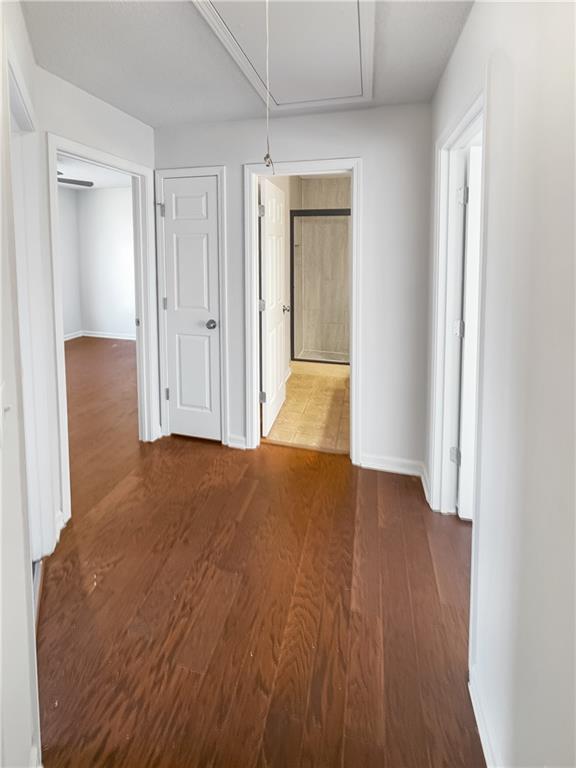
(219, 171)
(23, 135)
(443, 374)
(149, 427)
(35, 508)
(251, 288)
(303, 213)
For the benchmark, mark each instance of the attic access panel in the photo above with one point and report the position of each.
(321, 52)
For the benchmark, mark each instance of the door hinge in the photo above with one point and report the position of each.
(261, 211)
(262, 397)
(167, 392)
(137, 322)
(463, 195)
(455, 455)
(459, 328)
(162, 207)
(165, 302)
(261, 305)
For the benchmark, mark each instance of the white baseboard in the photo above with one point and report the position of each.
(392, 464)
(73, 335)
(100, 335)
(35, 759)
(236, 441)
(489, 754)
(37, 577)
(426, 485)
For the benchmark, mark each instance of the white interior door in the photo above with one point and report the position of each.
(469, 385)
(191, 245)
(274, 291)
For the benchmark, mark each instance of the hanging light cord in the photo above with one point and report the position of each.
(268, 162)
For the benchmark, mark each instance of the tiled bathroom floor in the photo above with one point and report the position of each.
(317, 407)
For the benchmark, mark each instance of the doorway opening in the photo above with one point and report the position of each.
(253, 173)
(456, 360)
(120, 255)
(469, 299)
(459, 278)
(96, 242)
(304, 303)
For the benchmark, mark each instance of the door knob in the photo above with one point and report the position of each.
(285, 308)
(211, 324)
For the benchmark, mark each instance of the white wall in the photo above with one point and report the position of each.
(523, 643)
(70, 255)
(97, 249)
(107, 262)
(19, 717)
(394, 144)
(19, 726)
(66, 110)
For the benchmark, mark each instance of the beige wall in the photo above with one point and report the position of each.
(321, 260)
(327, 192)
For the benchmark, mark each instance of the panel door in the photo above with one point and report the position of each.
(193, 311)
(275, 292)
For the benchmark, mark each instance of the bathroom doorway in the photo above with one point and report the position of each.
(305, 309)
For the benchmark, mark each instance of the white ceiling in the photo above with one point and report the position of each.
(100, 176)
(162, 63)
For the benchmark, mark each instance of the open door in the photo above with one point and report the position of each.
(471, 301)
(274, 291)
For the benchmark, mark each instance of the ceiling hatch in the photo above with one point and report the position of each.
(321, 52)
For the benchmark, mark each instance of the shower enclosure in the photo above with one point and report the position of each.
(320, 246)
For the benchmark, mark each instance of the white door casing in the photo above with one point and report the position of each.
(191, 244)
(453, 340)
(469, 385)
(445, 374)
(274, 291)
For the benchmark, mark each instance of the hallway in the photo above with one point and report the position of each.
(215, 607)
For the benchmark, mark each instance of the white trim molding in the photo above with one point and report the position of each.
(73, 335)
(35, 760)
(440, 469)
(219, 171)
(485, 741)
(252, 172)
(426, 483)
(393, 464)
(237, 441)
(21, 104)
(145, 294)
(101, 335)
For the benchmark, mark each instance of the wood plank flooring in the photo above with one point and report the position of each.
(273, 608)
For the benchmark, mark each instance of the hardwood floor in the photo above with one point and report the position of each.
(272, 608)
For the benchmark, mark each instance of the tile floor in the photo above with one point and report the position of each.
(316, 413)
